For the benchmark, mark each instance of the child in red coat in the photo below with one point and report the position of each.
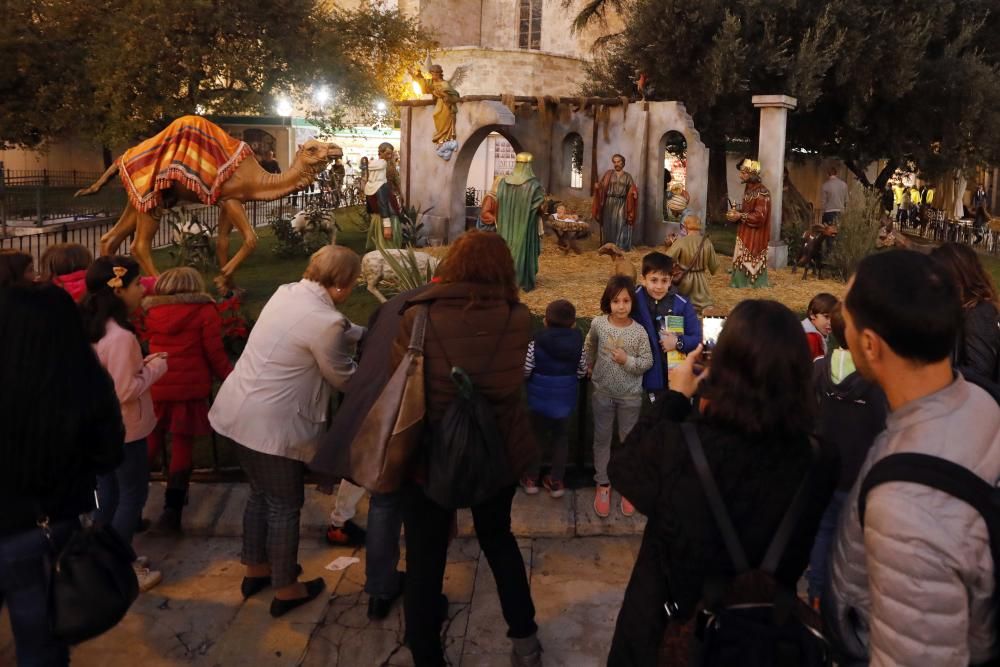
(183, 321)
(817, 323)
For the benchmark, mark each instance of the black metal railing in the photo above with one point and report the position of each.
(89, 232)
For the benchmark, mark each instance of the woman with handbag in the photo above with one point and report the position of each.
(274, 406)
(60, 427)
(474, 322)
(758, 450)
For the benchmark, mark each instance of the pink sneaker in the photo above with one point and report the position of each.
(602, 500)
(628, 509)
(529, 485)
(555, 487)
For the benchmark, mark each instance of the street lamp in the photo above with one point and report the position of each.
(284, 107)
(380, 113)
(322, 96)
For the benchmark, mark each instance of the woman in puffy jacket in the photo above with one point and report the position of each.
(183, 321)
(977, 354)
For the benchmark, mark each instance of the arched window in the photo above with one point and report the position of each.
(529, 25)
(573, 160)
(674, 174)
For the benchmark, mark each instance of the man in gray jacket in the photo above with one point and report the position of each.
(915, 585)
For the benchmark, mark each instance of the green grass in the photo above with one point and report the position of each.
(263, 271)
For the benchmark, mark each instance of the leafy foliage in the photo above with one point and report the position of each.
(193, 240)
(411, 227)
(404, 264)
(858, 226)
(319, 229)
(915, 79)
(117, 70)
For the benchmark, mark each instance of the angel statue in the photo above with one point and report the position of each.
(446, 106)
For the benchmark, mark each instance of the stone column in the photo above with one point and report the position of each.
(771, 154)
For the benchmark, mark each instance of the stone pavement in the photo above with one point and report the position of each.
(577, 564)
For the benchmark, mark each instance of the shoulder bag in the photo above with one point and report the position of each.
(382, 451)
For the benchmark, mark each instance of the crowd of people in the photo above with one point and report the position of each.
(788, 418)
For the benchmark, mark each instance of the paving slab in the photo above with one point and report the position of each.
(588, 524)
(205, 505)
(230, 521)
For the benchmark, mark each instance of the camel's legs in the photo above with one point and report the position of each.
(112, 239)
(233, 214)
(222, 237)
(142, 245)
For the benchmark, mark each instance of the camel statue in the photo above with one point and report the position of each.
(194, 160)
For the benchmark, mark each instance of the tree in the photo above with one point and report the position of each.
(123, 69)
(916, 80)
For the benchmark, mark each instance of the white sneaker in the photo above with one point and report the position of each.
(147, 578)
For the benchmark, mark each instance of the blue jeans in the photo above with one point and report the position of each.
(24, 589)
(385, 517)
(122, 494)
(819, 558)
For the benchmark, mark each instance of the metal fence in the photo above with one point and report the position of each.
(37, 196)
(88, 232)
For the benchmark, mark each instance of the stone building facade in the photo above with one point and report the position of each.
(521, 47)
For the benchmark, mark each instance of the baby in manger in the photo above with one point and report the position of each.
(568, 228)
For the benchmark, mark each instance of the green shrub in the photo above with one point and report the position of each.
(858, 228)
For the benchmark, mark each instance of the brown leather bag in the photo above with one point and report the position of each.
(382, 451)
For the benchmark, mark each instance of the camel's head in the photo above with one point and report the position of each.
(315, 155)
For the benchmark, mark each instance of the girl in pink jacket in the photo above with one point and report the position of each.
(113, 291)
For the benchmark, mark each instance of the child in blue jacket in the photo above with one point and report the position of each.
(656, 303)
(553, 368)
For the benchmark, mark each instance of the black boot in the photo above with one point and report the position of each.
(173, 504)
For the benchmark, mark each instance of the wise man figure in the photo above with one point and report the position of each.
(616, 202)
(753, 218)
(383, 201)
(518, 202)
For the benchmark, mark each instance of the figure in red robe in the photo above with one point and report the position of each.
(616, 203)
(754, 232)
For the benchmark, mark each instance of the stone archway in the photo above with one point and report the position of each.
(605, 125)
(463, 160)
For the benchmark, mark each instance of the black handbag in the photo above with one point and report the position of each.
(91, 581)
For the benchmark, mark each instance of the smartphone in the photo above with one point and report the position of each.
(711, 328)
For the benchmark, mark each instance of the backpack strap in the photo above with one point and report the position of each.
(937, 473)
(419, 328)
(775, 550)
(945, 476)
(714, 498)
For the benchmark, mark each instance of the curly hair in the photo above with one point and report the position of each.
(481, 257)
(761, 381)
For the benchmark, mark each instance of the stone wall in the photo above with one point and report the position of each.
(636, 131)
(513, 71)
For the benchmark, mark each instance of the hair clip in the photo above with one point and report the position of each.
(116, 282)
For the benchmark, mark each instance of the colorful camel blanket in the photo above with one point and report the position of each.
(191, 151)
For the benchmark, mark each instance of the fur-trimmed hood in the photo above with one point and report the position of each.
(169, 299)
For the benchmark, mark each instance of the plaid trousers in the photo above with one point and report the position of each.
(271, 517)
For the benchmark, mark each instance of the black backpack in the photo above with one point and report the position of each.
(467, 457)
(951, 478)
(751, 620)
